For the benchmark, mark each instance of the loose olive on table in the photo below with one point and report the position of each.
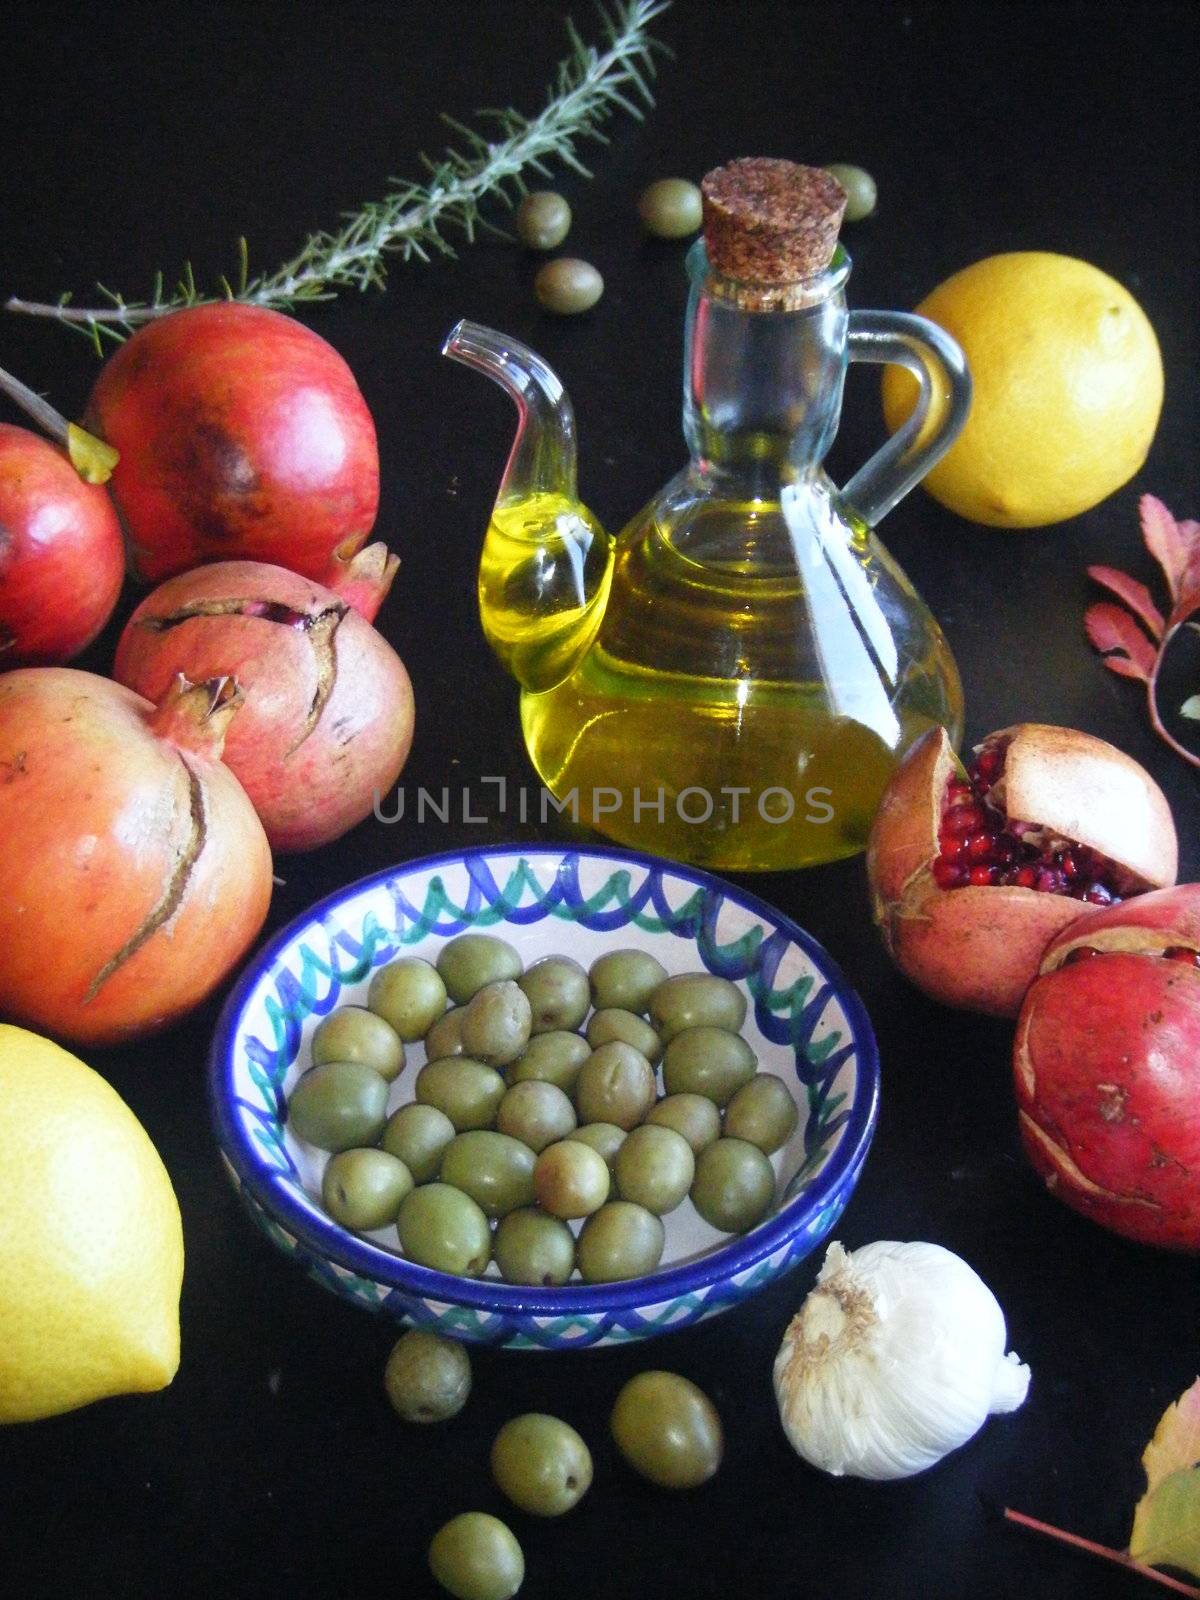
(475, 1556)
(427, 1377)
(861, 193)
(541, 1464)
(668, 1430)
(671, 208)
(568, 286)
(543, 220)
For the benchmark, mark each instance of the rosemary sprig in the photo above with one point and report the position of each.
(413, 218)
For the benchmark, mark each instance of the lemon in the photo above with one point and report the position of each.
(91, 1246)
(1068, 388)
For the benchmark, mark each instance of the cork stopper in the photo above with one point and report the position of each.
(769, 225)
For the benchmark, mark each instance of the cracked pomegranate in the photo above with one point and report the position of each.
(242, 435)
(1107, 1068)
(328, 718)
(972, 875)
(62, 557)
(134, 873)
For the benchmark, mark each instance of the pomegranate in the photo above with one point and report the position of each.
(134, 872)
(242, 434)
(363, 581)
(1107, 1068)
(971, 876)
(62, 557)
(328, 718)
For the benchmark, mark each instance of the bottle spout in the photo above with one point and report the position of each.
(547, 562)
(543, 456)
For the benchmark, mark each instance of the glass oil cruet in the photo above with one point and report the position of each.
(733, 679)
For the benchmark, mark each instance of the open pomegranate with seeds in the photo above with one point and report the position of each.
(1107, 1068)
(972, 875)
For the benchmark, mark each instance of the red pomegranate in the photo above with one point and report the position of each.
(134, 872)
(328, 718)
(242, 435)
(971, 876)
(62, 557)
(1107, 1068)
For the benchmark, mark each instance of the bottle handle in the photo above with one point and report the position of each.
(897, 338)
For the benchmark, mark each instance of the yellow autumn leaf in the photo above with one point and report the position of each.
(1166, 1521)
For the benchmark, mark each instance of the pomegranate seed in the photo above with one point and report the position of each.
(1081, 952)
(964, 819)
(1069, 864)
(952, 847)
(1049, 881)
(980, 877)
(979, 847)
(988, 762)
(1180, 952)
(1097, 895)
(948, 876)
(1026, 877)
(958, 790)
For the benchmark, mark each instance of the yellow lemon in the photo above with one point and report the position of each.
(1068, 388)
(91, 1245)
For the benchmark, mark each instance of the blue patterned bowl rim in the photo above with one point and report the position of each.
(327, 1239)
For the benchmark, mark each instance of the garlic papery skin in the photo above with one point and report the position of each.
(895, 1359)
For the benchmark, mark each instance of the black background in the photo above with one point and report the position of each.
(132, 139)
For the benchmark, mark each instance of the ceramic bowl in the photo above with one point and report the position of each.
(804, 1022)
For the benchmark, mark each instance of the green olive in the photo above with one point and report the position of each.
(615, 1084)
(570, 1180)
(551, 1058)
(496, 1171)
(696, 1000)
(568, 286)
(672, 208)
(443, 1228)
(734, 1185)
(543, 220)
(536, 1113)
(625, 980)
(353, 1034)
(409, 994)
(708, 1061)
(763, 1112)
(445, 1037)
(693, 1115)
(614, 1023)
(476, 1557)
(534, 1249)
(604, 1137)
(338, 1105)
(668, 1430)
(418, 1135)
(362, 1189)
(427, 1377)
(466, 1090)
(473, 959)
(495, 1024)
(541, 1464)
(654, 1168)
(859, 185)
(619, 1242)
(558, 991)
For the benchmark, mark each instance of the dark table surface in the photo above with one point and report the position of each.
(134, 138)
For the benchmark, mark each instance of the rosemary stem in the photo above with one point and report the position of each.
(42, 412)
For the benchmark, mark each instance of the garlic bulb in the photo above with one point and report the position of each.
(895, 1359)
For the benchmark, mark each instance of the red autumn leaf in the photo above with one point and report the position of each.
(1167, 541)
(1125, 648)
(1135, 595)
